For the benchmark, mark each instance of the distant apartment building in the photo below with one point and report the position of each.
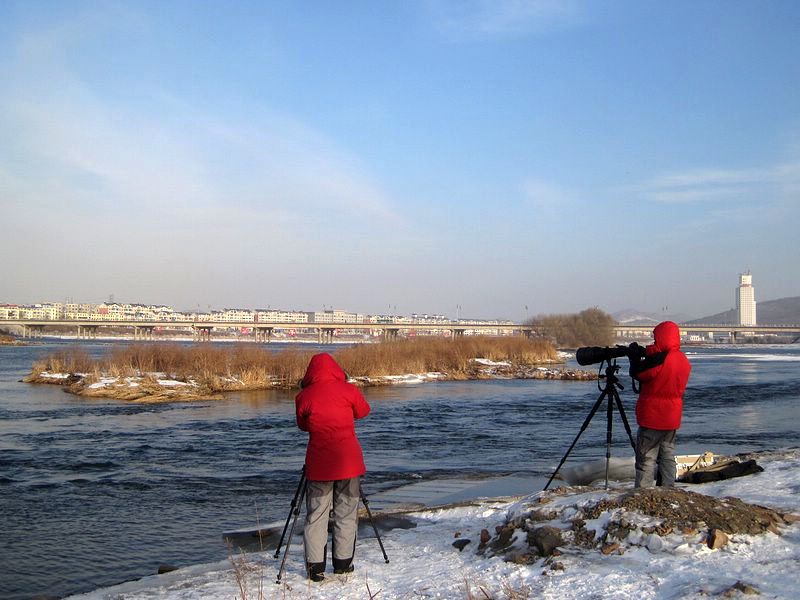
(280, 316)
(9, 311)
(236, 315)
(335, 316)
(78, 311)
(429, 319)
(40, 312)
(745, 300)
(119, 311)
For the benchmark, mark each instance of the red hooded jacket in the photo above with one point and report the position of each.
(327, 408)
(663, 375)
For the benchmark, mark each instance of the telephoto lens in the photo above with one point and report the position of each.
(592, 355)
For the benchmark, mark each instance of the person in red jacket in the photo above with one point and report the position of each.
(327, 408)
(663, 375)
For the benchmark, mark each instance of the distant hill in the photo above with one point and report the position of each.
(784, 311)
(631, 316)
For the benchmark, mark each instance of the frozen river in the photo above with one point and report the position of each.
(95, 492)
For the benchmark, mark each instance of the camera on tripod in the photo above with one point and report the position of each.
(592, 355)
(609, 391)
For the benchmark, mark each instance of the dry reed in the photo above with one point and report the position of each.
(247, 366)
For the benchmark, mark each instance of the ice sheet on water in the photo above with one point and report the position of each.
(750, 357)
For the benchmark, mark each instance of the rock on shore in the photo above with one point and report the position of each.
(580, 519)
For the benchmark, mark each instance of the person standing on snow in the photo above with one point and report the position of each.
(663, 375)
(327, 408)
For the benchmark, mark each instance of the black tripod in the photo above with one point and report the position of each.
(297, 502)
(608, 391)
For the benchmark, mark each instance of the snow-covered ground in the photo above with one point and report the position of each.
(425, 564)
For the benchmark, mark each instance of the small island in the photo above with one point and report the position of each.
(159, 372)
(9, 340)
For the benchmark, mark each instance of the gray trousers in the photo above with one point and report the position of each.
(655, 447)
(343, 497)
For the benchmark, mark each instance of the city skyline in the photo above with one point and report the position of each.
(496, 159)
(744, 306)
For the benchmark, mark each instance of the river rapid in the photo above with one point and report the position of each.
(95, 492)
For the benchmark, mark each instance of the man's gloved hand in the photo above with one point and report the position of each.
(636, 354)
(636, 351)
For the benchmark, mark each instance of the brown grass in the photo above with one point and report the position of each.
(423, 355)
(69, 360)
(247, 366)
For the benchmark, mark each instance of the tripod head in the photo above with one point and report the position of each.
(610, 377)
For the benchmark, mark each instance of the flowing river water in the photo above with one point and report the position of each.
(94, 492)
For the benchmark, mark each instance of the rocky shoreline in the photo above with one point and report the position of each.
(159, 387)
(554, 528)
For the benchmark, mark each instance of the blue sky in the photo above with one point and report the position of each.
(423, 154)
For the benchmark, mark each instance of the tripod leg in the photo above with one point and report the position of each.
(609, 426)
(302, 494)
(624, 419)
(575, 441)
(300, 486)
(372, 522)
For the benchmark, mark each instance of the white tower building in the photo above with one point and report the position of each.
(745, 300)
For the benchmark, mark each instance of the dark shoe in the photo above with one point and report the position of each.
(343, 570)
(342, 565)
(316, 571)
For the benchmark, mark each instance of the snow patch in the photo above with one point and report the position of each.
(47, 375)
(491, 363)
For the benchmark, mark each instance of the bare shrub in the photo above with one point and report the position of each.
(591, 327)
(69, 360)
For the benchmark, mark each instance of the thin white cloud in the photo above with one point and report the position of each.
(712, 185)
(65, 140)
(502, 18)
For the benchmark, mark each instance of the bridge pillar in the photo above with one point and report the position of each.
(263, 334)
(327, 335)
(202, 334)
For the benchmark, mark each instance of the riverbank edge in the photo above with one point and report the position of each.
(158, 387)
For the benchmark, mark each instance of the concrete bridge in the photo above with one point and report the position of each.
(262, 332)
(731, 331)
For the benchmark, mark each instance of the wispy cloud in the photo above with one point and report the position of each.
(712, 185)
(66, 139)
(501, 18)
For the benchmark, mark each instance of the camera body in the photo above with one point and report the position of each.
(591, 355)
